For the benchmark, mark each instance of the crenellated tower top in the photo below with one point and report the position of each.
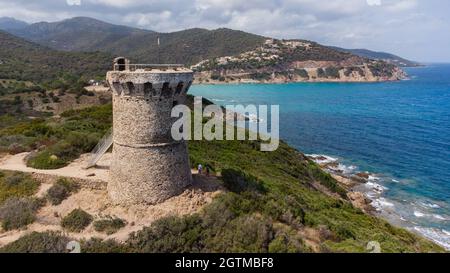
(150, 81)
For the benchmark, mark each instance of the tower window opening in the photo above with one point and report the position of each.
(120, 62)
(166, 90)
(148, 89)
(117, 87)
(130, 88)
(179, 88)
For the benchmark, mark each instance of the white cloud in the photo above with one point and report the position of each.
(402, 5)
(73, 2)
(374, 2)
(391, 25)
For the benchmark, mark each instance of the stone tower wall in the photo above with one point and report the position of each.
(148, 166)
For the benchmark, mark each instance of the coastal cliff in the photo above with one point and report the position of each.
(282, 61)
(274, 202)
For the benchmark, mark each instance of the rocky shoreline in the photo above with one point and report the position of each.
(205, 79)
(349, 181)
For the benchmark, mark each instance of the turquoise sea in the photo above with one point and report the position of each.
(399, 131)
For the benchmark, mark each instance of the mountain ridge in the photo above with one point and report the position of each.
(380, 55)
(231, 55)
(9, 23)
(24, 60)
(89, 34)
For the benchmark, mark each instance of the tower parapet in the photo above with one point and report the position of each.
(148, 166)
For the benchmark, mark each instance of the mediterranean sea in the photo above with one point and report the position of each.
(397, 131)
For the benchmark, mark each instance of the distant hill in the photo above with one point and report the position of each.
(187, 46)
(295, 61)
(221, 54)
(388, 57)
(8, 23)
(77, 34)
(24, 60)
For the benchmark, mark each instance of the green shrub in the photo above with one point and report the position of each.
(18, 212)
(61, 190)
(109, 226)
(13, 184)
(245, 234)
(215, 76)
(332, 72)
(47, 242)
(76, 221)
(169, 235)
(287, 242)
(238, 181)
(344, 232)
(63, 152)
(327, 180)
(321, 73)
(96, 245)
(302, 73)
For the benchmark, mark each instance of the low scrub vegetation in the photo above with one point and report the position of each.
(47, 242)
(237, 181)
(17, 213)
(76, 221)
(14, 184)
(61, 190)
(109, 226)
(272, 200)
(57, 142)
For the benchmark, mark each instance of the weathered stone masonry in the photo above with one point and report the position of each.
(148, 166)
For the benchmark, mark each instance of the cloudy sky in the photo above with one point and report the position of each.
(416, 29)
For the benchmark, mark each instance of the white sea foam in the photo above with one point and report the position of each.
(439, 217)
(441, 237)
(322, 159)
(381, 203)
(374, 191)
(376, 187)
(419, 214)
(374, 178)
(347, 169)
(429, 205)
(385, 203)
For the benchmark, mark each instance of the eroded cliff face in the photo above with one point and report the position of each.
(349, 74)
(295, 61)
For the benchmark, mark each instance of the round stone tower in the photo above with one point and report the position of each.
(148, 166)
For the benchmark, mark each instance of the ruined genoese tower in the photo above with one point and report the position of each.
(148, 166)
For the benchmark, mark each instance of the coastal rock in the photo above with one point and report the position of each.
(344, 181)
(363, 175)
(358, 200)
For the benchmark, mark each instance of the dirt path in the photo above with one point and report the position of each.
(96, 201)
(73, 170)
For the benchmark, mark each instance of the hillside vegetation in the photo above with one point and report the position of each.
(23, 60)
(187, 46)
(276, 202)
(77, 34)
(295, 61)
(221, 55)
